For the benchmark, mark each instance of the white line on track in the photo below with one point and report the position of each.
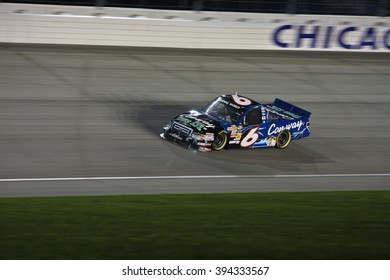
(196, 177)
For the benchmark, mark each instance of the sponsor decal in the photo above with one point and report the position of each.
(204, 149)
(184, 120)
(274, 130)
(271, 141)
(197, 125)
(229, 103)
(236, 132)
(203, 137)
(281, 112)
(209, 136)
(174, 135)
(234, 128)
(325, 37)
(297, 135)
(238, 136)
(197, 122)
(203, 144)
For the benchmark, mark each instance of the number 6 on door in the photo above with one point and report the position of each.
(250, 138)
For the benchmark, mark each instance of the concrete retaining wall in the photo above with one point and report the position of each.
(48, 24)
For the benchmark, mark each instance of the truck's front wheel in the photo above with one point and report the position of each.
(220, 141)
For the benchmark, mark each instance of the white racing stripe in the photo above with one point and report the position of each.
(195, 177)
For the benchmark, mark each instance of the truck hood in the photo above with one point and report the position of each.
(197, 121)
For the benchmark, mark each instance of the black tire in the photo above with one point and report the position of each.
(283, 139)
(220, 141)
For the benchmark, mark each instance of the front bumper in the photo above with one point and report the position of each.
(185, 139)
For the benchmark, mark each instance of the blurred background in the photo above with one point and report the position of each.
(329, 7)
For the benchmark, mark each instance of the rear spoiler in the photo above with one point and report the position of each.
(291, 108)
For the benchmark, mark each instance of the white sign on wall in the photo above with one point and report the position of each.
(331, 37)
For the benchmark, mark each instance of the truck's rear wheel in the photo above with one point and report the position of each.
(283, 139)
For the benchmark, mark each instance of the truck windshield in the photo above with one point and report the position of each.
(224, 110)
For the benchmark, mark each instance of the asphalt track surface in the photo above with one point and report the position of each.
(86, 120)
